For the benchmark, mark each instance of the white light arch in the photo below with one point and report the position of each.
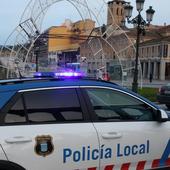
(21, 41)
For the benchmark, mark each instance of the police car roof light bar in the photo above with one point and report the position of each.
(65, 74)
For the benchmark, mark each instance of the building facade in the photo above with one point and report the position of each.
(64, 41)
(115, 12)
(101, 54)
(155, 58)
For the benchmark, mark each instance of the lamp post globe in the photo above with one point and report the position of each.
(149, 14)
(139, 5)
(128, 10)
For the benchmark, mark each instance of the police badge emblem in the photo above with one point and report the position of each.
(44, 145)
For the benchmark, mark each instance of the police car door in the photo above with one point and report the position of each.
(130, 137)
(47, 129)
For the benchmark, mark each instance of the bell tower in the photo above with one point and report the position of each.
(115, 12)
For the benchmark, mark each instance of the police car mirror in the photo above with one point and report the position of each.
(162, 115)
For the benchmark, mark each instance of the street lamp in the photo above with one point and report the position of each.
(140, 24)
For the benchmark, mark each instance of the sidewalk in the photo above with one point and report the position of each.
(145, 83)
(155, 83)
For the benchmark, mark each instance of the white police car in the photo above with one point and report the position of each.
(73, 123)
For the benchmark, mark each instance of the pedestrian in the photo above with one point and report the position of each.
(106, 76)
(150, 77)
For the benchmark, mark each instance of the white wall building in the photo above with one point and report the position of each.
(155, 58)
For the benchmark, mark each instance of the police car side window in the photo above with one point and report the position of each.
(110, 105)
(60, 105)
(16, 114)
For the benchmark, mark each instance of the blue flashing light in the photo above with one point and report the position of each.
(37, 74)
(68, 74)
(63, 74)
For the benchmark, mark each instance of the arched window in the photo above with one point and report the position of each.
(121, 12)
(117, 11)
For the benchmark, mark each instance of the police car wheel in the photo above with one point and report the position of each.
(10, 168)
(5, 165)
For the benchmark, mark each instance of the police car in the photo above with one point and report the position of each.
(67, 122)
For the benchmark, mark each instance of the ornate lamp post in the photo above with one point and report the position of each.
(140, 24)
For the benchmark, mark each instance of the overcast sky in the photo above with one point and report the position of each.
(11, 11)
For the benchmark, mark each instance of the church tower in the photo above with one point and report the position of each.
(115, 12)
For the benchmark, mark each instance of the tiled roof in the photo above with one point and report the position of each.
(158, 40)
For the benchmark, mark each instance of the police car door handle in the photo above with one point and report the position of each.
(112, 135)
(18, 139)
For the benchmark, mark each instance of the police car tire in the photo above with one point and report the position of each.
(5, 165)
